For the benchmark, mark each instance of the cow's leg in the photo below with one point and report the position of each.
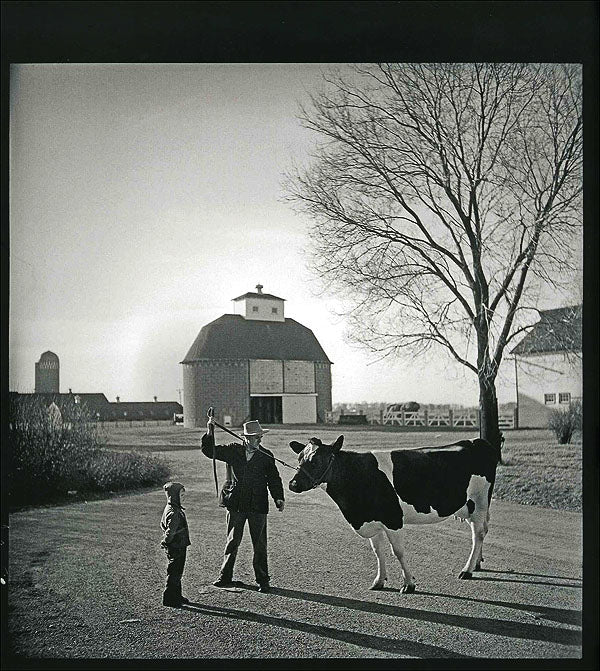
(378, 545)
(478, 534)
(395, 538)
(485, 530)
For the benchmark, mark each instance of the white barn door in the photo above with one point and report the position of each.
(299, 408)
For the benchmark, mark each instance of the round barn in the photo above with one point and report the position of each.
(256, 365)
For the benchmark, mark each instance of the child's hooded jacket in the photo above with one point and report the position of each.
(173, 521)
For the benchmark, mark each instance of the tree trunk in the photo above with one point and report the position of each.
(488, 414)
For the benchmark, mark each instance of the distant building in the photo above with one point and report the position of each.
(47, 373)
(102, 410)
(549, 365)
(258, 364)
(142, 410)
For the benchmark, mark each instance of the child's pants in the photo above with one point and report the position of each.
(176, 559)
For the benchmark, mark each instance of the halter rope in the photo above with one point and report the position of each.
(316, 483)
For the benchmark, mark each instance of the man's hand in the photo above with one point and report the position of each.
(280, 503)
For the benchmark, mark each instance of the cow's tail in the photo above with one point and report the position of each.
(493, 456)
(494, 451)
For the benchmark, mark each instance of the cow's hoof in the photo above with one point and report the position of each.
(377, 585)
(465, 575)
(408, 589)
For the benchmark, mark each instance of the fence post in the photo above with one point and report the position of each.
(451, 417)
(403, 418)
(516, 418)
(426, 414)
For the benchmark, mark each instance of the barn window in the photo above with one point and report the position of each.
(549, 399)
(274, 311)
(564, 397)
(255, 308)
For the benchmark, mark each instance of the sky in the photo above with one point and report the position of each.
(143, 198)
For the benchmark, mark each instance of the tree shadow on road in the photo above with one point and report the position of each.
(524, 630)
(535, 575)
(396, 646)
(562, 615)
(487, 578)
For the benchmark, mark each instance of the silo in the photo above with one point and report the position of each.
(47, 372)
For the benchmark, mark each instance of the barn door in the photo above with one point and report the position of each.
(266, 409)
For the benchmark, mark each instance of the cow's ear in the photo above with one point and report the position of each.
(296, 446)
(337, 446)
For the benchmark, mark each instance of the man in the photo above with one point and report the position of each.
(253, 470)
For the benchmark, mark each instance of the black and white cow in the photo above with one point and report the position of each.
(378, 493)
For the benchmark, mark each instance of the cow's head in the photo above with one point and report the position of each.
(315, 461)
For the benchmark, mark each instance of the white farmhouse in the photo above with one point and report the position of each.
(549, 365)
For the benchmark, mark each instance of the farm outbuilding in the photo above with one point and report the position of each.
(258, 364)
(102, 410)
(549, 365)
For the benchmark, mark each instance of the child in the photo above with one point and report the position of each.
(175, 541)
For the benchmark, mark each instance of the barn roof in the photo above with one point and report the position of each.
(233, 337)
(49, 355)
(146, 406)
(254, 294)
(558, 330)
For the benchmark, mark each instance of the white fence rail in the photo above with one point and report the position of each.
(453, 418)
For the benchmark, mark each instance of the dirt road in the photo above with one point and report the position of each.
(86, 581)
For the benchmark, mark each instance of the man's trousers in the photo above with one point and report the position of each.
(257, 523)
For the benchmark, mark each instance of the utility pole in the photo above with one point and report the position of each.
(179, 392)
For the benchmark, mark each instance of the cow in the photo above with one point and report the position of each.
(378, 493)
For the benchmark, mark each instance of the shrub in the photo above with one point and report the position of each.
(51, 453)
(123, 470)
(564, 423)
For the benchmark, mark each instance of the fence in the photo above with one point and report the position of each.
(451, 418)
(135, 422)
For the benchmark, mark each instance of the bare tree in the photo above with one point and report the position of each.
(444, 197)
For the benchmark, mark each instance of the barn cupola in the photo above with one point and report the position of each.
(256, 305)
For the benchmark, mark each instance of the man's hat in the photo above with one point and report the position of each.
(253, 428)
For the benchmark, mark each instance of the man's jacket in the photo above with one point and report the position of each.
(253, 476)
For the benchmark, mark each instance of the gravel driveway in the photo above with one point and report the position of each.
(86, 582)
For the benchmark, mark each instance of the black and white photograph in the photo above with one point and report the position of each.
(297, 347)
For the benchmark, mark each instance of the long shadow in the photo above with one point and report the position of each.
(535, 632)
(562, 615)
(535, 575)
(396, 646)
(486, 578)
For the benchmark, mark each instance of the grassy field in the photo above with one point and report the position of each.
(536, 470)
